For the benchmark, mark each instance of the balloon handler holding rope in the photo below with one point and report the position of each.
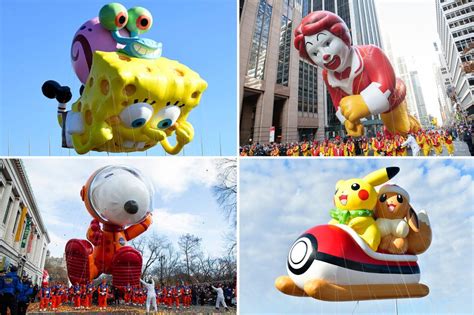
(367, 251)
(119, 199)
(132, 98)
(360, 79)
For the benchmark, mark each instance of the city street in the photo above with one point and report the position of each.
(130, 310)
(461, 149)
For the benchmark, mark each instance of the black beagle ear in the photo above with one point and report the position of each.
(412, 219)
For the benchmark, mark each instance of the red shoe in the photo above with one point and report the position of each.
(126, 267)
(77, 260)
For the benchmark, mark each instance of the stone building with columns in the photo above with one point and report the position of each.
(24, 238)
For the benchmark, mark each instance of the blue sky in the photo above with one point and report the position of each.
(37, 37)
(280, 199)
(183, 201)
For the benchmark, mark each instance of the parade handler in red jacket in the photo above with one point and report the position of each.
(360, 79)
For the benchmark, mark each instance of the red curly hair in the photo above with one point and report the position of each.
(316, 22)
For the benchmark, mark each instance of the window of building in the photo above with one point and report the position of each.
(317, 5)
(18, 213)
(329, 6)
(344, 12)
(307, 88)
(258, 52)
(332, 118)
(2, 189)
(306, 9)
(9, 206)
(285, 45)
(241, 7)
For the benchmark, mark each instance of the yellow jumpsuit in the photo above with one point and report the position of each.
(438, 145)
(375, 144)
(365, 148)
(305, 149)
(296, 151)
(350, 148)
(448, 142)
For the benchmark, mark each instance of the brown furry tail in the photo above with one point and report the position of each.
(418, 242)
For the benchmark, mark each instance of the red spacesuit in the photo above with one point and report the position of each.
(128, 294)
(103, 291)
(45, 296)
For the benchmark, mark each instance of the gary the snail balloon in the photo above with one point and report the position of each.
(132, 98)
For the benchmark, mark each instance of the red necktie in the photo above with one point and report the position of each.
(343, 75)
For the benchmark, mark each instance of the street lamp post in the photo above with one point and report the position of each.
(162, 258)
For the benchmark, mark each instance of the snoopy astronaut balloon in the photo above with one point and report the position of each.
(119, 198)
(131, 98)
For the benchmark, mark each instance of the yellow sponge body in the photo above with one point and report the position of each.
(117, 81)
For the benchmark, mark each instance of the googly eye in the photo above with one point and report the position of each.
(136, 115)
(113, 16)
(400, 198)
(355, 186)
(167, 117)
(383, 198)
(140, 20)
(302, 254)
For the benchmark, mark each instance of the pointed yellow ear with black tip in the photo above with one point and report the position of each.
(381, 176)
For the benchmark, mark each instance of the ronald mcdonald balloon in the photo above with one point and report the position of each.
(132, 98)
(342, 261)
(119, 199)
(360, 79)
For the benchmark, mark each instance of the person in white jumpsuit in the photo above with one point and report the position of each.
(220, 297)
(151, 295)
(411, 141)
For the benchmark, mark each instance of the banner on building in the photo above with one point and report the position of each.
(26, 233)
(272, 134)
(20, 225)
(3, 261)
(30, 241)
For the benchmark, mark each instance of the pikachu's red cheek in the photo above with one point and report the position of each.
(363, 194)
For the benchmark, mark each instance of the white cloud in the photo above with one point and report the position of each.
(177, 223)
(280, 199)
(57, 245)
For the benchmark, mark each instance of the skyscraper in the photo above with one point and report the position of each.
(443, 83)
(403, 73)
(455, 19)
(420, 101)
(283, 98)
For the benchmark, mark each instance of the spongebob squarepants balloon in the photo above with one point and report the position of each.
(132, 98)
